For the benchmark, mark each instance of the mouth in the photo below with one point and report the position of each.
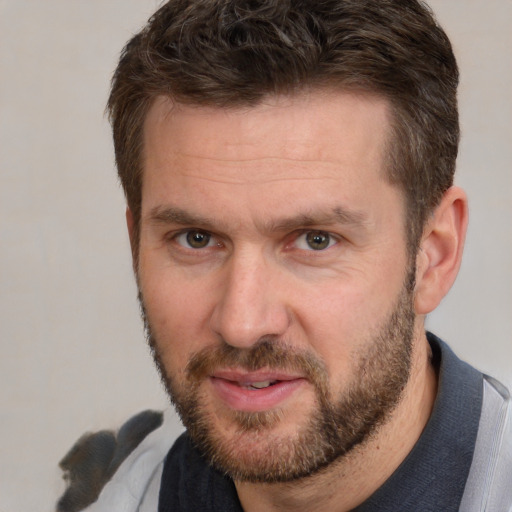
(261, 385)
(254, 391)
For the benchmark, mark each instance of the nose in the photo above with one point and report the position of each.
(250, 303)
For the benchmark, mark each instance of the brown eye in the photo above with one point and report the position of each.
(198, 239)
(318, 240)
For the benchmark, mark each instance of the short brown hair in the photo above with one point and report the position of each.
(229, 53)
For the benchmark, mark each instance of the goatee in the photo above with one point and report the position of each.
(250, 447)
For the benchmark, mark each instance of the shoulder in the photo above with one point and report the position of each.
(490, 476)
(95, 457)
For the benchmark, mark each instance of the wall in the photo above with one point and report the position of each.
(73, 357)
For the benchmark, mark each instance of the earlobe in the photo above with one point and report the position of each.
(440, 252)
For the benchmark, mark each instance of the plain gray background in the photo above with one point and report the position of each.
(73, 356)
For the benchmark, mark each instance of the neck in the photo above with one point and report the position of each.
(349, 481)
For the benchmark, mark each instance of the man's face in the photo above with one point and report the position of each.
(275, 279)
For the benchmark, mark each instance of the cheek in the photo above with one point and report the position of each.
(178, 314)
(340, 307)
(340, 322)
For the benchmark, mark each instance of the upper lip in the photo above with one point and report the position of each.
(245, 378)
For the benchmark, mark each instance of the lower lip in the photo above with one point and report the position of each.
(254, 400)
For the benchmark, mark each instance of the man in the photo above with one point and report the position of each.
(288, 168)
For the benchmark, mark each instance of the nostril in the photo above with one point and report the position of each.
(249, 306)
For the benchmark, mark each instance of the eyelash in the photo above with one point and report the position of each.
(331, 239)
(185, 244)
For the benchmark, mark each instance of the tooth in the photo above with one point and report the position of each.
(260, 385)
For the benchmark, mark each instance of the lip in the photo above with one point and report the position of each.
(229, 386)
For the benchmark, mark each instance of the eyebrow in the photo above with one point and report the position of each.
(334, 216)
(174, 215)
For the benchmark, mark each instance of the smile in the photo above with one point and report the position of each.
(253, 392)
(261, 385)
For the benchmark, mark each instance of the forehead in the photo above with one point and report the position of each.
(285, 160)
(335, 128)
(288, 158)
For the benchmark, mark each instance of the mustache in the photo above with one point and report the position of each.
(267, 353)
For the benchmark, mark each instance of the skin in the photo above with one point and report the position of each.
(257, 180)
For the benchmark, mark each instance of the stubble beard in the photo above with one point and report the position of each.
(250, 447)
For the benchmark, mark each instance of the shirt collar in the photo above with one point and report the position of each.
(433, 475)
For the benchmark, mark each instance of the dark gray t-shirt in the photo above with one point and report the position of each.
(430, 479)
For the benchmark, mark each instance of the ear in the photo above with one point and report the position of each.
(440, 252)
(130, 224)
